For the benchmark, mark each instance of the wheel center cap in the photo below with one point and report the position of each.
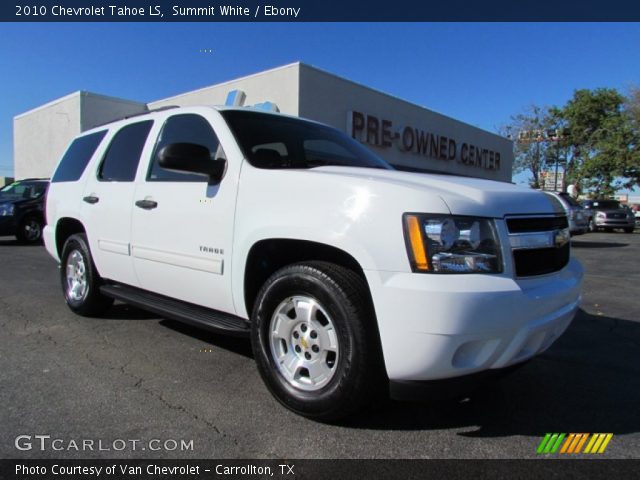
(304, 343)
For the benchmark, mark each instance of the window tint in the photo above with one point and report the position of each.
(606, 205)
(23, 190)
(121, 160)
(77, 156)
(569, 199)
(185, 128)
(307, 144)
(326, 151)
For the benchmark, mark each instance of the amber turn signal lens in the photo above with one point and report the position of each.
(416, 242)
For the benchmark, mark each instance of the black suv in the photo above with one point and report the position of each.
(22, 209)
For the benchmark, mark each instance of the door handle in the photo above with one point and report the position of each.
(91, 199)
(147, 204)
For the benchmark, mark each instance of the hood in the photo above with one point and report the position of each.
(609, 211)
(462, 195)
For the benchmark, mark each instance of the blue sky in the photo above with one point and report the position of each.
(478, 73)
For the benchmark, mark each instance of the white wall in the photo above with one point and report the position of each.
(41, 136)
(327, 98)
(279, 86)
(99, 109)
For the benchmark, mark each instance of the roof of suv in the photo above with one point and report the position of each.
(219, 108)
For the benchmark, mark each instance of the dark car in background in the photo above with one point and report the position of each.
(22, 209)
(609, 215)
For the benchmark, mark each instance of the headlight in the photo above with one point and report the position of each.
(6, 209)
(452, 244)
(600, 215)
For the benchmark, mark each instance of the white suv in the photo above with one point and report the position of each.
(351, 278)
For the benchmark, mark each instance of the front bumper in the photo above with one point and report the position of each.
(49, 237)
(447, 388)
(444, 326)
(7, 225)
(615, 223)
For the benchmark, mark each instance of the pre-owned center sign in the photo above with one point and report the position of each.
(382, 133)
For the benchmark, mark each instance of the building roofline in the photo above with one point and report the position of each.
(227, 82)
(110, 97)
(396, 98)
(77, 93)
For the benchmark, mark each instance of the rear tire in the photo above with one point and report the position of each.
(315, 341)
(629, 230)
(80, 279)
(30, 229)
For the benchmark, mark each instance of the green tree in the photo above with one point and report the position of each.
(533, 147)
(600, 134)
(632, 106)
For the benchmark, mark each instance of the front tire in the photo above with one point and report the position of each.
(30, 229)
(80, 279)
(315, 340)
(629, 230)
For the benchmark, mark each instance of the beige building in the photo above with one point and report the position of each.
(405, 134)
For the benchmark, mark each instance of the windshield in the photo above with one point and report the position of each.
(569, 199)
(271, 141)
(23, 190)
(606, 205)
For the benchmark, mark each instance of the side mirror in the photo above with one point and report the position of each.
(191, 158)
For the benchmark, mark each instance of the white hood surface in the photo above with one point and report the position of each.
(462, 195)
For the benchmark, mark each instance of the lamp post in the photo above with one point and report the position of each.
(539, 136)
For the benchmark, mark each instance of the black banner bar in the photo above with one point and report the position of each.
(316, 11)
(593, 469)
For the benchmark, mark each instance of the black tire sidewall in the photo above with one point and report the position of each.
(22, 234)
(321, 402)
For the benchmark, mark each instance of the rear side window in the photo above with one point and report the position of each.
(77, 157)
(123, 155)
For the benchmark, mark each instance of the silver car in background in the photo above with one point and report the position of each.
(609, 215)
(577, 216)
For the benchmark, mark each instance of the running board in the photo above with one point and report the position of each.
(213, 320)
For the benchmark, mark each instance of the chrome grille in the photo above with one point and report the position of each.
(540, 245)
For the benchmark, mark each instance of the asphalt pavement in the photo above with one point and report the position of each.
(132, 384)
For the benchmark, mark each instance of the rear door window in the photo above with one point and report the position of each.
(121, 160)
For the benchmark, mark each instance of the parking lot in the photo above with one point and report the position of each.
(133, 375)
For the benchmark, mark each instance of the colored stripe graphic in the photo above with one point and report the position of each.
(582, 442)
(605, 443)
(591, 442)
(550, 443)
(572, 443)
(556, 445)
(543, 443)
(569, 442)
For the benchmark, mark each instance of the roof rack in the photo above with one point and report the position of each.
(159, 109)
(133, 115)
